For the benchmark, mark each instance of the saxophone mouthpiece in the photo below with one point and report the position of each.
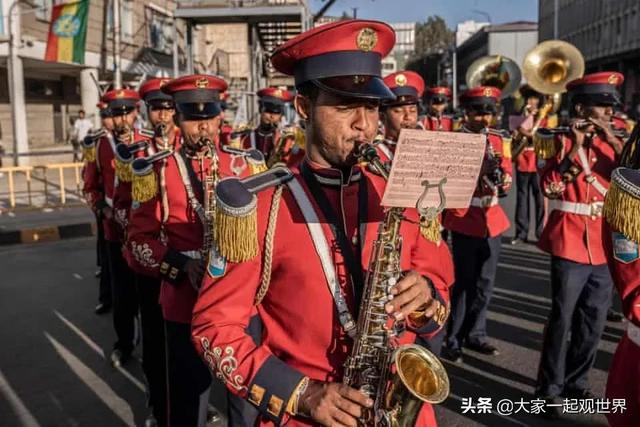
(161, 129)
(367, 152)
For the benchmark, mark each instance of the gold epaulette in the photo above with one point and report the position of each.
(236, 222)
(430, 229)
(124, 157)
(544, 144)
(622, 203)
(89, 146)
(144, 185)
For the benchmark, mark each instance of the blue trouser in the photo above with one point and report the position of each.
(528, 183)
(475, 260)
(580, 297)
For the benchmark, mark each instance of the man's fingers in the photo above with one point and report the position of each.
(405, 283)
(355, 396)
(343, 418)
(404, 298)
(349, 407)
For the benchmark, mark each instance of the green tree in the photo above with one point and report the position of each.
(432, 36)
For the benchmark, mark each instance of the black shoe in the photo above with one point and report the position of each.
(483, 347)
(614, 316)
(551, 412)
(150, 421)
(119, 357)
(98, 272)
(517, 241)
(102, 308)
(452, 354)
(578, 394)
(213, 416)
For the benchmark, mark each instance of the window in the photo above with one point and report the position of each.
(126, 20)
(159, 31)
(43, 9)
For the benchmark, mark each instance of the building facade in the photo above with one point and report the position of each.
(54, 92)
(606, 32)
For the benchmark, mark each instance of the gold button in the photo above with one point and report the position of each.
(593, 159)
(593, 217)
(595, 198)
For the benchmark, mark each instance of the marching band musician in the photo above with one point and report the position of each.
(476, 232)
(576, 180)
(267, 136)
(165, 135)
(168, 231)
(527, 179)
(438, 99)
(329, 215)
(100, 183)
(620, 239)
(104, 293)
(399, 113)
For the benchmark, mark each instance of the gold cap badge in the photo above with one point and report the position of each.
(613, 79)
(487, 92)
(120, 94)
(202, 83)
(401, 80)
(367, 39)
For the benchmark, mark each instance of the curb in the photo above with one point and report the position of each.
(47, 234)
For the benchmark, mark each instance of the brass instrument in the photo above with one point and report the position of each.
(418, 376)
(162, 131)
(497, 71)
(279, 151)
(520, 141)
(581, 124)
(209, 184)
(550, 65)
(495, 179)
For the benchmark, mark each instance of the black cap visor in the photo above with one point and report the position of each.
(157, 95)
(364, 87)
(481, 105)
(199, 110)
(271, 107)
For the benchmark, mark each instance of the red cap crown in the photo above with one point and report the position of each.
(102, 105)
(440, 91)
(152, 85)
(194, 82)
(602, 78)
(120, 94)
(274, 92)
(352, 35)
(483, 92)
(405, 79)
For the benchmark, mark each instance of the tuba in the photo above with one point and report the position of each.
(548, 67)
(399, 379)
(281, 149)
(497, 71)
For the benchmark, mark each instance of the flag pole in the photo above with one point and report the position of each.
(117, 63)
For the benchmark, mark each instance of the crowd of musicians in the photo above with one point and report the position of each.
(243, 255)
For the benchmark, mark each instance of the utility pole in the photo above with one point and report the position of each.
(455, 76)
(555, 19)
(355, 12)
(16, 85)
(117, 62)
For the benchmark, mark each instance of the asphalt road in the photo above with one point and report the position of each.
(53, 370)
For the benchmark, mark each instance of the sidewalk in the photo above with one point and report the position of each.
(45, 225)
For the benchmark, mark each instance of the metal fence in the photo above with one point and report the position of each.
(33, 187)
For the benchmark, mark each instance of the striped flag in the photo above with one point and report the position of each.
(68, 32)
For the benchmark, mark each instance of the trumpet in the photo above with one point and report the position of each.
(280, 149)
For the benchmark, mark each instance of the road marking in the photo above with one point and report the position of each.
(523, 295)
(21, 411)
(101, 389)
(95, 347)
(525, 269)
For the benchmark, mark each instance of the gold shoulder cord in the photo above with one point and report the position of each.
(265, 278)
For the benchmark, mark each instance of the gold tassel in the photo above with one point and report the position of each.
(545, 147)
(90, 154)
(257, 167)
(144, 187)
(506, 147)
(123, 171)
(235, 143)
(430, 229)
(620, 211)
(237, 235)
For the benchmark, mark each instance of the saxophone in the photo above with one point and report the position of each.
(399, 379)
(162, 131)
(209, 203)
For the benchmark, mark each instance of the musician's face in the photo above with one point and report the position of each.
(195, 130)
(270, 119)
(107, 123)
(533, 102)
(158, 115)
(334, 126)
(123, 123)
(399, 117)
(600, 112)
(479, 120)
(438, 108)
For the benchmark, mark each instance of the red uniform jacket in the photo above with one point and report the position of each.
(624, 373)
(100, 181)
(573, 236)
(122, 191)
(527, 160)
(302, 335)
(485, 217)
(444, 123)
(164, 236)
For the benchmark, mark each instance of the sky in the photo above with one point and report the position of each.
(453, 11)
